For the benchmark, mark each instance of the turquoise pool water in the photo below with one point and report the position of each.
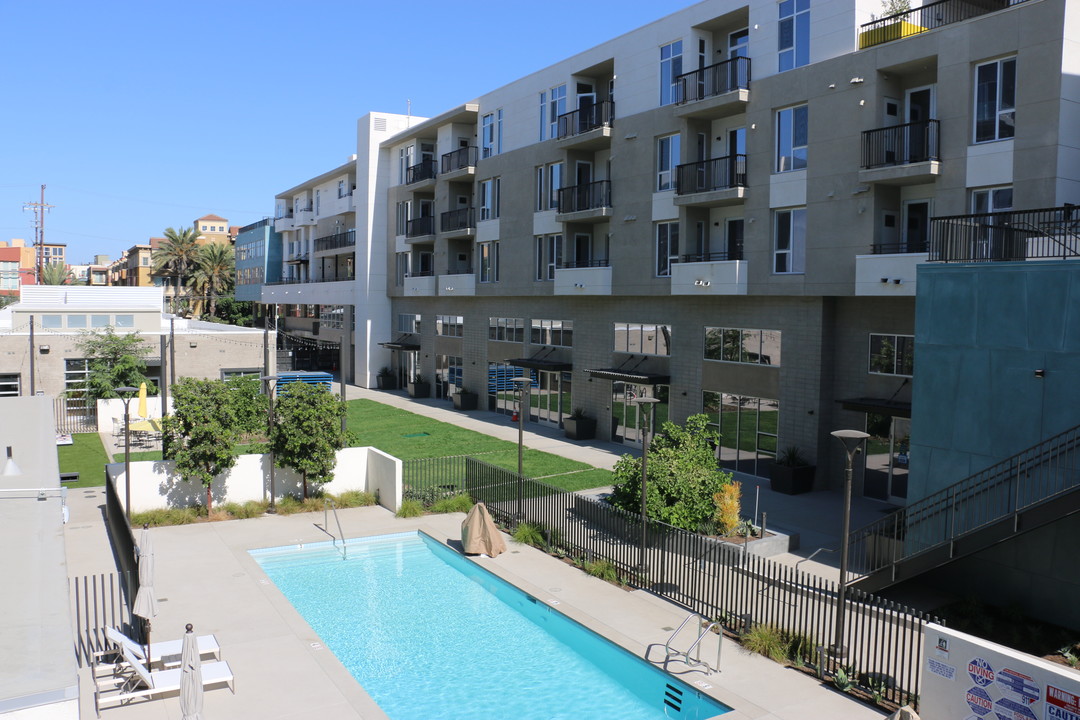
(432, 636)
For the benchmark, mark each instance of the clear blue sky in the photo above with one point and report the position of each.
(139, 116)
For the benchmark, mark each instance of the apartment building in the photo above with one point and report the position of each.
(258, 259)
(17, 266)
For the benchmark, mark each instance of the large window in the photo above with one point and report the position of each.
(489, 261)
(489, 198)
(9, 384)
(449, 325)
(667, 247)
(892, 354)
(506, 329)
(793, 36)
(556, 107)
(643, 338)
(670, 70)
(995, 100)
(332, 316)
(76, 373)
(791, 138)
(789, 254)
(559, 333)
(667, 160)
(990, 200)
(747, 427)
(548, 182)
(408, 323)
(491, 134)
(739, 345)
(549, 249)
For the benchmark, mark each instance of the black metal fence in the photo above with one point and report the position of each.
(582, 120)
(1050, 233)
(901, 144)
(335, 241)
(459, 159)
(423, 170)
(721, 173)
(704, 574)
(101, 601)
(723, 77)
(589, 196)
(927, 17)
(454, 220)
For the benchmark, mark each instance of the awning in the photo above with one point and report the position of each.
(880, 406)
(630, 376)
(402, 343)
(537, 364)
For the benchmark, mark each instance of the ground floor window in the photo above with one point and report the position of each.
(447, 376)
(549, 397)
(230, 373)
(627, 417)
(887, 455)
(501, 391)
(747, 427)
(76, 373)
(9, 384)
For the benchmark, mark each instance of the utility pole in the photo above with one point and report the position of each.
(172, 350)
(33, 387)
(39, 208)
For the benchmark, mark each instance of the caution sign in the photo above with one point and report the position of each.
(1061, 704)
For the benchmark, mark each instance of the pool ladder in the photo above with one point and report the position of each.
(328, 505)
(669, 653)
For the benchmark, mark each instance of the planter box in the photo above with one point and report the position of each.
(386, 382)
(792, 480)
(579, 428)
(419, 390)
(465, 401)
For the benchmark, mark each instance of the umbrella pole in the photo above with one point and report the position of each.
(145, 620)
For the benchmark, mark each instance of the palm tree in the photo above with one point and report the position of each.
(177, 255)
(55, 273)
(215, 273)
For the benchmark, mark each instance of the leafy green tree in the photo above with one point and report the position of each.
(234, 312)
(248, 405)
(114, 360)
(214, 273)
(202, 431)
(178, 255)
(307, 431)
(683, 476)
(55, 273)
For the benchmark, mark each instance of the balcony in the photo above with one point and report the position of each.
(711, 183)
(458, 223)
(460, 163)
(927, 17)
(421, 284)
(590, 202)
(285, 222)
(421, 172)
(459, 284)
(420, 229)
(716, 273)
(591, 278)
(715, 91)
(345, 239)
(889, 271)
(1048, 234)
(305, 215)
(902, 154)
(587, 128)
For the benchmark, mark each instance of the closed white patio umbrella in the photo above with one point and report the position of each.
(145, 600)
(191, 685)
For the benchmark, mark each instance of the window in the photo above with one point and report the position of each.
(401, 267)
(556, 108)
(995, 100)
(667, 159)
(449, 325)
(667, 247)
(408, 323)
(9, 384)
(988, 200)
(54, 321)
(791, 138)
(739, 43)
(543, 115)
(489, 261)
(794, 34)
(747, 427)
(789, 255)
(230, 373)
(506, 329)
(643, 339)
(752, 347)
(332, 316)
(541, 188)
(76, 373)
(76, 322)
(558, 333)
(491, 134)
(405, 161)
(125, 321)
(554, 255)
(403, 211)
(489, 198)
(892, 354)
(341, 188)
(548, 182)
(670, 70)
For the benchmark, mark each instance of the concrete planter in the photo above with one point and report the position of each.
(419, 389)
(579, 428)
(792, 480)
(386, 382)
(465, 401)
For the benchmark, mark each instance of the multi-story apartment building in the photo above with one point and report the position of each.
(258, 259)
(213, 228)
(17, 266)
(134, 268)
(52, 253)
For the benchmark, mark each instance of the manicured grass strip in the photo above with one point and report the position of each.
(385, 427)
(86, 457)
(535, 463)
(582, 480)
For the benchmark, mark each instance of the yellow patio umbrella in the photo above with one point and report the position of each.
(143, 412)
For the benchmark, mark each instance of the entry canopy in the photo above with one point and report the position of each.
(537, 364)
(402, 343)
(630, 376)
(880, 406)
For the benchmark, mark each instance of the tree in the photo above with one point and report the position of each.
(114, 360)
(307, 431)
(202, 431)
(214, 272)
(683, 476)
(177, 255)
(233, 312)
(55, 273)
(248, 405)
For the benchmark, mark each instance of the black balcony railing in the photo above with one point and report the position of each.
(571, 264)
(420, 226)
(255, 225)
(459, 159)
(901, 144)
(719, 256)
(927, 17)
(423, 170)
(590, 196)
(305, 208)
(1051, 233)
(333, 278)
(718, 79)
(338, 240)
(285, 214)
(708, 175)
(895, 248)
(422, 273)
(463, 219)
(584, 119)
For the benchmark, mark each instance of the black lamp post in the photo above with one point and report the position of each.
(127, 444)
(522, 385)
(648, 404)
(852, 440)
(271, 384)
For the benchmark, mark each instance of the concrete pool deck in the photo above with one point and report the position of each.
(205, 576)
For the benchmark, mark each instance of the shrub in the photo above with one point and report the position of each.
(410, 508)
(356, 498)
(801, 649)
(289, 505)
(727, 508)
(843, 678)
(168, 516)
(529, 534)
(459, 503)
(604, 570)
(767, 640)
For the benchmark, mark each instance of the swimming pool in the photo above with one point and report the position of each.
(433, 636)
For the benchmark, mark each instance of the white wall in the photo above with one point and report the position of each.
(384, 478)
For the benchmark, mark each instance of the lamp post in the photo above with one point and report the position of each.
(127, 444)
(852, 441)
(521, 384)
(648, 404)
(271, 384)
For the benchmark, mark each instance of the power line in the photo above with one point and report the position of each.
(39, 208)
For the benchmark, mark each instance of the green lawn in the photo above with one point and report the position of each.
(86, 457)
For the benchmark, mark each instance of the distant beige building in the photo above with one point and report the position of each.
(213, 228)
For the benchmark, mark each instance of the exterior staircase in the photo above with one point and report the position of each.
(1031, 489)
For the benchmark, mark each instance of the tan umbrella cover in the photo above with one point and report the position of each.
(479, 536)
(191, 686)
(904, 713)
(145, 605)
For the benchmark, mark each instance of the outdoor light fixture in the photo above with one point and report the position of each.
(649, 403)
(852, 440)
(129, 391)
(898, 281)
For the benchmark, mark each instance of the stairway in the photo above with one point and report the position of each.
(1031, 489)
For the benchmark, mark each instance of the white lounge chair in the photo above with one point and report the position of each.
(163, 652)
(144, 684)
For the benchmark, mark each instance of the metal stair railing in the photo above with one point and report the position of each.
(1001, 491)
(670, 653)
